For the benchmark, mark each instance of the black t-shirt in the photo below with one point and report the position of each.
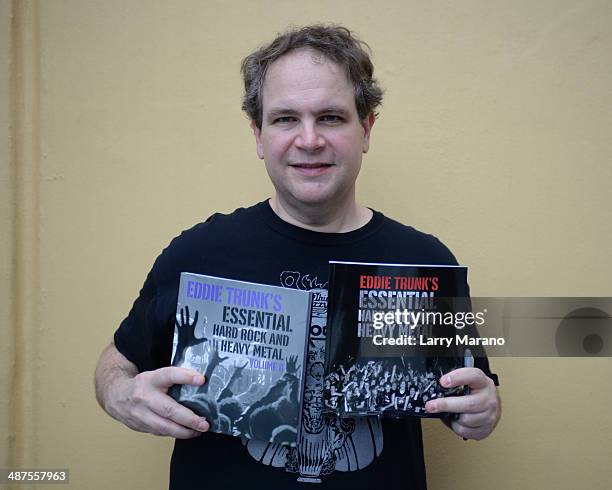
(254, 244)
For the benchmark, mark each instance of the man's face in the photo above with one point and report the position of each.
(311, 137)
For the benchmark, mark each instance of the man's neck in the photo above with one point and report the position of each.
(322, 218)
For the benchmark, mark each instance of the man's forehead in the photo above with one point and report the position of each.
(305, 74)
(307, 58)
(316, 57)
(302, 67)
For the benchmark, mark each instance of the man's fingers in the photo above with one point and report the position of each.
(472, 377)
(476, 433)
(153, 410)
(168, 409)
(457, 404)
(163, 427)
(479, 410)
(474, 420)
(164, 378)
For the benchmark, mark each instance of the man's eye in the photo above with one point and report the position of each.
(284, 120)
(331, 118)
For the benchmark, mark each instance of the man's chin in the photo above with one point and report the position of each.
(313, 200)
(316, 201)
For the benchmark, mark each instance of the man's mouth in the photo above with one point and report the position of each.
(311, 169)
(311, 165)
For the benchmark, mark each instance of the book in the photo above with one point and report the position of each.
(249, 341)
(392, 333)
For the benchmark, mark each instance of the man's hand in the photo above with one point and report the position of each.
(479, 411)
(145, 405)
(141, 401)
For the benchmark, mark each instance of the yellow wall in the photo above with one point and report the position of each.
(121, 125)
(7, 225)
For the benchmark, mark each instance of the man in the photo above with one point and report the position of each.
(311, 98)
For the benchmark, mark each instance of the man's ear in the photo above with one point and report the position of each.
(257, 134)
(367, 124)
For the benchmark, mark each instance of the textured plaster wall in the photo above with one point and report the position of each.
(121, 126)
(7, 201)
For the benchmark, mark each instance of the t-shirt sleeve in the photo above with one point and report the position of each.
(144, 337)
(131, 338)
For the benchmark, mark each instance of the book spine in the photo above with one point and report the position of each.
(304, 371)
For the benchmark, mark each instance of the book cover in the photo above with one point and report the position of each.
(249, 341)
(392, 333)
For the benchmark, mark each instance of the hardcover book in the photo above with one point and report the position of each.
(393, 331)
(249, 342)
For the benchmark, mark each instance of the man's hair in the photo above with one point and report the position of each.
(336, 43)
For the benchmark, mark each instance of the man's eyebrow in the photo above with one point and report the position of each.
(280, 111)
(335, 110)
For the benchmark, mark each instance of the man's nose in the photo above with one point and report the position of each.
(309, 139)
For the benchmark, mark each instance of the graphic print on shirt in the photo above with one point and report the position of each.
(327, 443)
